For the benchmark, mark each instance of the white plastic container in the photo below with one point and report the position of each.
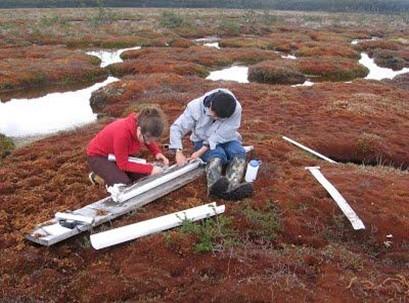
(252, 169)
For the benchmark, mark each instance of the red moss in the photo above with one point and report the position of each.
(183, 43)
(327, 49)
(332, 68)
(44, 65)
(380, 44)
(316, 256)
(141, 66)
(275, 72)
(207, 56)
(401, 81)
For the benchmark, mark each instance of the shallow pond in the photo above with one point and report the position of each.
(48, 114)
(28, 117)
(233, 73)
(378, 73)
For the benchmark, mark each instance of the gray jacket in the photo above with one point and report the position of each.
(204, 128)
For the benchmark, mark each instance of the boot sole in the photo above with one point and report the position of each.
(245, 190)
(219, 187)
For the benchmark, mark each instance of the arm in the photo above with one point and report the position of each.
(200, 152)
(154, 148)
(121, 155)
(183, 124)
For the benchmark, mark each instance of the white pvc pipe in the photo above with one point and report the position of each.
(144, 228)
(309, 150)
(111, 157)
(339, 199)
(132, 192)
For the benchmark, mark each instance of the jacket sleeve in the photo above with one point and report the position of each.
(121, 154)
(183, 124)
(154, 148)
(226, 131)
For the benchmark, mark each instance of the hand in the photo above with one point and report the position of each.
(180, 158)
(200, 152)
(156, 170)
(162, 158)
(195, 155)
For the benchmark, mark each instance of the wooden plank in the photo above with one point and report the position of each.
(338, 198)
(105, 210)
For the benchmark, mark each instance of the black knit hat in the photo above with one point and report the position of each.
(223, 104)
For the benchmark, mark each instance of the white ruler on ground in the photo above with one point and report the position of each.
(339, 199)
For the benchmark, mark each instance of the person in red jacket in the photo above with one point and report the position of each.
(123, 138)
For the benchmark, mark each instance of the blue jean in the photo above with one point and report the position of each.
(224, 151)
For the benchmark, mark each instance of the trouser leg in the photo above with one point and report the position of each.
(214, 163)
(108, 170)
(236, 167)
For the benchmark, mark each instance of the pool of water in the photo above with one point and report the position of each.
(234, 73)
(378, 73)
(109, 57)
(56, 111)
(48, 114)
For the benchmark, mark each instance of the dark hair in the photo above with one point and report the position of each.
(152, 121)
(223, 104)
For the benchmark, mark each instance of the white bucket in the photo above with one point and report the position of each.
(252, 169)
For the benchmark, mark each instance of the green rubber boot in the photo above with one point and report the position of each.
(216, 185)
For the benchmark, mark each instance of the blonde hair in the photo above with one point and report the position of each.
(152, 121)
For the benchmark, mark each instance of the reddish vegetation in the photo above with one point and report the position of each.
(276, 72)
(332, 68)
(327, 256)
(141, 66)
(293, 71)
(327, 49)
(401, 81)
(288, 243)
(203, 55)
(44, 65)
(387, 53)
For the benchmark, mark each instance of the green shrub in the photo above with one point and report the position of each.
(229, 27)
(6, 146)
(170, 19)
(265, 222)
(210, 233)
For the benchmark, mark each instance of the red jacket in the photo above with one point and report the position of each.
(119, 138)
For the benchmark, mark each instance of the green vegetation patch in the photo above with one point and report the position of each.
(170, 19)
(6, 146)
(264, 222)
(211, 234)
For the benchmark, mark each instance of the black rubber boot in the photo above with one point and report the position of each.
(216, 185)
(237, 190)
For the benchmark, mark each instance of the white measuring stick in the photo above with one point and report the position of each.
(134, 191)
(144, 228)
(309, 150)
(111, 157)
(159, 181)
(339, 199)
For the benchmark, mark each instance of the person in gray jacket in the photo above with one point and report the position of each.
(213, 120)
